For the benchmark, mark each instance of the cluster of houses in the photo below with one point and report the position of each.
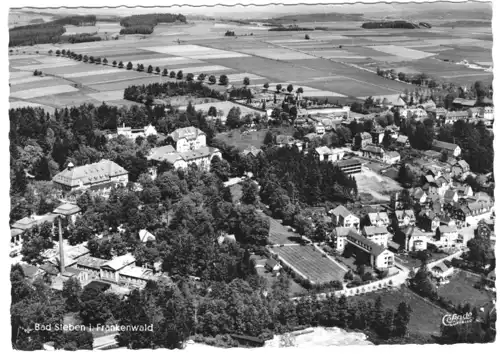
(187, 146)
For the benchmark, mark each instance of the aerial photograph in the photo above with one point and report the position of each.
(223, 177)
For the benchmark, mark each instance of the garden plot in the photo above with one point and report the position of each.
(277, 53)
(195, 51)
(310, 262)
(402, 51)
(37, 92)
(29, 79)
(107, 95)
(92, 72)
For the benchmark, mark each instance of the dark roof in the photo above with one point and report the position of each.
(347, 162)
(98, 285)
(99, 172)
(29, 270)
(443, 145)
(374, 248)
(50, 269)
(341, 211)
(91, 262)
(271, 263)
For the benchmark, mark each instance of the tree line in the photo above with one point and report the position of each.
(145, 24)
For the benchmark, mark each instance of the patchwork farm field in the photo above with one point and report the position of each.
(310, 262)
(324, 64)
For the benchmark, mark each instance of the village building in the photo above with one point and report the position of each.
(446, 236)
(284, 140)
(464, 191)
(69, 211)
(403, 141)
(187, 139)
(16, 240)
(380, 258)
(373, 152)
(349, 166)
(440, 271)
(328, 154)
(273, 266)
(437, 113)
(338, 238)
(452, 149)
(319, 128)
(132, 276)
(450, 196)
(378, 235)
(93, 175)
(110, 270)
(460, 168)
(405, 217)
(145, 236)
(91, 265)
(342, 217)
(379, 219)
(362, 139)
(415, 239)
(251, 152)
(453, 116)
(461, 103)
(133, 133)
(392, 157)
(377, 135)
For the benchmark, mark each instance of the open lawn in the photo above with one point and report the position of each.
(242, 140)
(378, 186)
(310, 262)
(294, 290)
(425, 318)
(461, 289)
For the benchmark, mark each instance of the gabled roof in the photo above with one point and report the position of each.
(443, 145)
(447, 229)
(324, 150)
(373, 149)
(455, 114)
(271, 263)
(187, 133)
(374, 248)
(402, 139)
(372, 230)
(145, 236)
(284, 139)
(375, 216)
(449, 194)
(342, 231)
(400, 214)
(340, 211)
(441, 266)
(91, 262)
(67, 209)
(392, 154)
(99, 172)
(463, 164)
(159, 153)
(120, 262)
(365, 135)
(251, 150)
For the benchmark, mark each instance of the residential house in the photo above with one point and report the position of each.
(392, 157)
(132, 276)
(284, 140)
(323, 153)
(201, 157)
(273, 266)
(475, 211)
(403, 141)
(251, 152)
(133, 133)
(437, 112)
(342, 217)
(379, 219)
(453, 116)
(379, 235)
(110, 270)
(415, 239)
(349, 166)
(440, 271)
(447, 236)
(464, 191)
(16, 240)
(373, 152)
(93, 175)
(319, 128)
(461, 103)
(377, 135)
(187, 139)
(460, 168)
(362, 139)
(380, 258)
(339, 235)
(69, 211)
(145, 236)
(431, 154)
(405, 217)
(452, 149)
(450, 196)
(419, 195)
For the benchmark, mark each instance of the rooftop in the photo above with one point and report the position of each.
(340, 211)
(120, 262)
(89, 174)
(372, 230)
(187, 133)
(67, 209)
(91, 262)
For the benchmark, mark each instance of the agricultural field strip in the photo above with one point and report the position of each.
(39, 85)
(310, 262)
(402, 51)
(45, 66)
(29, 79)
(239, 77)
(24, 56)
(307, 90)
(20, 74)
(107, 95)
(52, 90)
(194, 51)
(91, 72)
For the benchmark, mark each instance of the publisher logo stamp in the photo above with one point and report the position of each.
(451, 320)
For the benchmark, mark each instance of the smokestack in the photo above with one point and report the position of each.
(61, 248)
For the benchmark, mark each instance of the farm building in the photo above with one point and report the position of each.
(82, 177)
(273, 266)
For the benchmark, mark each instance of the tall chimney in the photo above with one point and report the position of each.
(61, 247)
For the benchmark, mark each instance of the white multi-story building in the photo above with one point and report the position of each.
(378, 235)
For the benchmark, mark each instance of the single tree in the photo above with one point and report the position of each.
(266, 86)
(289, 88)
(105, 61)
(246, 81)
(180, 75)
(130, 66)
(279, 87)
(165, 72)
(114, 63)
(212, 79)
(223, 80)
(172, 74)
(58, 52)
(190, 77)
(158, 70)
(306, 36)
(150, 69)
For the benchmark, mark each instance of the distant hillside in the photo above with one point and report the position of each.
(395, 24)
(320, 17)
(466, 23)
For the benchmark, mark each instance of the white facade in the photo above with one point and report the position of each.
(187, 144)
(384, 260)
